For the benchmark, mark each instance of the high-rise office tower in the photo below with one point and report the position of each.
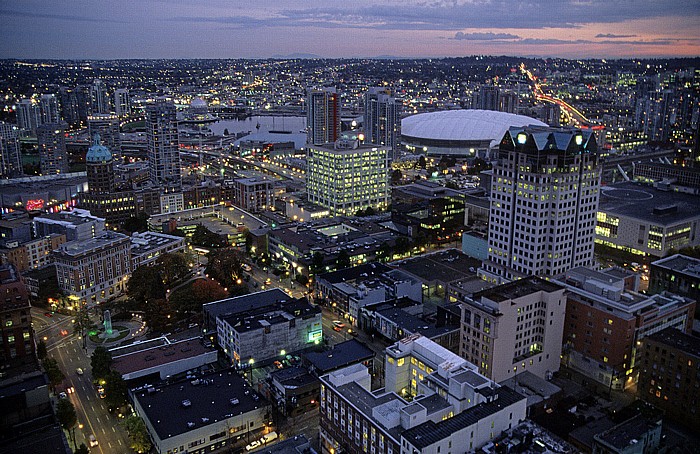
(348, 176)
(10, 157)
(508, 101)
(487, 98)
(107, 125)
(99, 100)
(382, 122)
(28, 116)
(100, 168)
(68, 105)
(323, 116)
(163, 145)
(52, 148)
(544, 200)
(84, 101)
(122, 102)
(48, 108)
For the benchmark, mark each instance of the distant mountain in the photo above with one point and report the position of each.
(295, 56)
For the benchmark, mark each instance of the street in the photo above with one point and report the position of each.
(93, 417)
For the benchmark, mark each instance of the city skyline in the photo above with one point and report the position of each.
(215, 29)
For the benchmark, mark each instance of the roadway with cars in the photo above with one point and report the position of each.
(93, 416)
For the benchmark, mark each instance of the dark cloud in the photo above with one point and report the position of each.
(485, 36)
(613, 36)
(63, 17)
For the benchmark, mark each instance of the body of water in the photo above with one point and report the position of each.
(267, 124)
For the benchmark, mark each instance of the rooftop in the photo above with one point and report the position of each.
(105, 239)
(341, 355)
(244, 303)
(210, 402)
(648, 204)
(678, 340)
(441, 266)
(279, 312)
(429, 432)
(364, 271)
(159, 355)
(518, 289)
(686, 265)
(143, 243)
(629, 432)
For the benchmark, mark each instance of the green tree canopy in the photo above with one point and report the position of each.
(343, 260)
(41, 350)
(100, 361)
(138, 434)
(145, 284)
(115, 390)
(173, 266)
(225, 266)
(53, 372)
(204, 237)
(82, 449)
(159, 315)
(65, 413)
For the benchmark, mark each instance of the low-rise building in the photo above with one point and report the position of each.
(605, 322)
(146, 247)
(76, 225)
(343, 354)
(647, 221)
(36, 253)
(456, 408)
(639, 434)
(677, 274)
(200, 416)
(94, 269)
(262, 334)
(294, 391)
(163, 361)
(514, 327)
(253, 194)
(669, 366)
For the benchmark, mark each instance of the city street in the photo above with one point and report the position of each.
(93, 417)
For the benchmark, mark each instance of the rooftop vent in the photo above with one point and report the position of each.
(186, 403)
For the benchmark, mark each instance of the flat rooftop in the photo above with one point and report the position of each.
(244, 303)
(648, 204)
(414, 324)
(680, 263)
(210, 402)
(629, 432)
(364, 271)
(158, 356)
(679, 340)
(366, 401)
(341, 355)
(143, 243)
(517, 289)
(105, 239)
(429, 432)
(442, 266)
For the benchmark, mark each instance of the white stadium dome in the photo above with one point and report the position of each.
(459, 132)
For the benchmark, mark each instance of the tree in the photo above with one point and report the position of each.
(159, 314)
(226, 131)
(343, 260)
(41, 350)
(173, 266)
(53, 372)
(138, 223)
(225, 266)
(67, 418)
(421, 162)
(82, 321)
(396, 176)
(136, 428)
(204, 237)
(146, 283)
(115, 390)
(207, 290)
(82, 449)
(100, 361)
(317, 265)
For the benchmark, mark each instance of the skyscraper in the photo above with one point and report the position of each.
(347, 176)
(10, 157)
(100, 168)
(107, 125)
(52, 148)
(99, 100)
(68, 103)
(544, 200)
(122, 102)
(28, 116)
(382, 122)
(323, 116)
(163, 145)
(48, 108)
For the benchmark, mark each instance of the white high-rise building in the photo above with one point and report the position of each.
(28, 115)
(544, 200)
(53, 156)
(382, 121)
(163, 145)
(348, 176)
(10, 157)
(122, 102)
(99, 100)
(48, 108)
(323, 116)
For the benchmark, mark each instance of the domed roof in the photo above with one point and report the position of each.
(98, 152)
(464, 125)
(199, 102)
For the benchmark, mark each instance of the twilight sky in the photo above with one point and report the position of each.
(358, 28)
